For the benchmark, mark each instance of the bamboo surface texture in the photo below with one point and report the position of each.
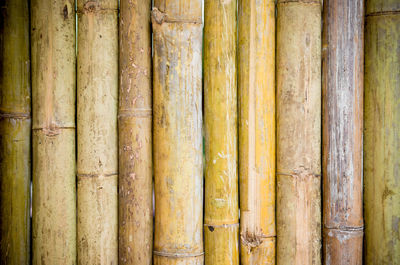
(135, 149)
(343, 75)
(53, 132)
(97, 132)
(177, 135)
(299, 132)
(256, 84)
(382, 127)
(221, 220)
(15, 127)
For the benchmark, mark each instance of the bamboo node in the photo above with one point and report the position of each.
(177, 255)
(157, 16)
(252, 239)
(90, 6)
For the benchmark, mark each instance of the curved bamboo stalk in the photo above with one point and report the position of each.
(53, 106)
(221, 220)
(299, 132)
(15, 133)
(134, 124)
(382, 127)
(177, 124)
(97, 132)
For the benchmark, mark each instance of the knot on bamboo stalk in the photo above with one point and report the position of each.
(90, 6)
(252, 239)
(157, 16)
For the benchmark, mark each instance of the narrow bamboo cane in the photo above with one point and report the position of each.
(256, 85)
(382, 127)
(221, 220)
(177, 124)
(53, 106)
(97, 132)
(135, 149)
(299, 132)
(343, 70)
(15, 126)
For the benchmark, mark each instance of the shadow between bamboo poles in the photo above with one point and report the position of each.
(177, 135)
(97, 132)
(299, 132)
(53, 107)
(381, 134)
(15, 133)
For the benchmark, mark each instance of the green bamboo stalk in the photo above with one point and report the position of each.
(15, 125)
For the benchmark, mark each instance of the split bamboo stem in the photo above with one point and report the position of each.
(53, 106)
(382, 127)
(15, 133)
(256, 85)
(299, 132)
(343, 75)
(97, 132)
(177, 124)
(221, 220)
(135, 149)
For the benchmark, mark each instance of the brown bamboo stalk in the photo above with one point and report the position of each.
(135, 149)
(15, 127)
(97, 132)
(299, 132)
(177, 124)
(343, 70)
(53, 106)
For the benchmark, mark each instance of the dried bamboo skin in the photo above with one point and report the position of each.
(53, 136)
(381, 135)
(134, 124)
(97, 132)
(256, 84)
(343, 75)
(177, 133)
(15, 125)
(299, 132)
(221, 215)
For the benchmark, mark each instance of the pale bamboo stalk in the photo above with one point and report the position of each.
(221, 215)
(299, 132)
(177, 125)
(135, 147)
(53, 106)
(15, 133)
(381, 137)
(343, 75)
(97, 132)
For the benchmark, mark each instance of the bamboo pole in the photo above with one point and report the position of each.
(299, 132)
(15, 126)
(343, 63)
(135, 149)
(221, 215)
(177, 125)
(97, 132)
(382, 126)
(256, 85)
(53, 106)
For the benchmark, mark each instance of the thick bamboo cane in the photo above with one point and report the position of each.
(53, 106)
(135, 149)
(343, 75)
(221, 220)
(382, 127)
(299, 132)
(97, 132)
(15, 127)
(177, 124)
(256, 85)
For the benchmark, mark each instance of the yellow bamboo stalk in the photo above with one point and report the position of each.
(299, 132)
(221, 215)
(381, 137)
(177, 136)
(97, 132)
(135, 149)
(53, 106)
(15, 127)
(256, 85)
